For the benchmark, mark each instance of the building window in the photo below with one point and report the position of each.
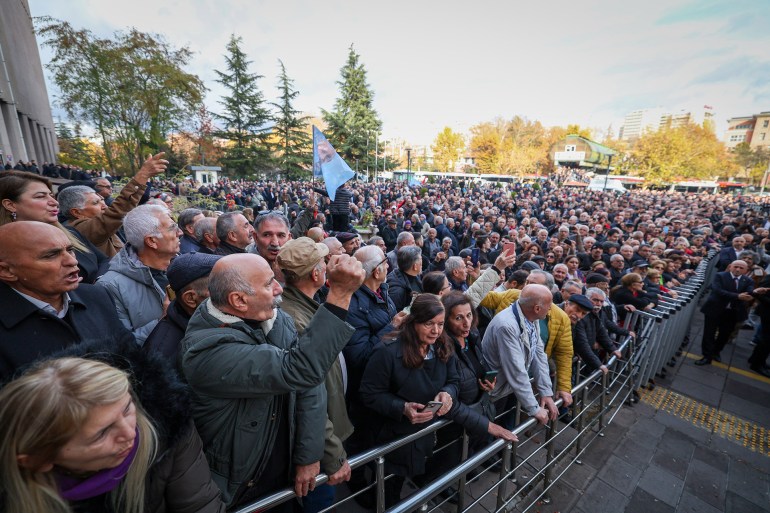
(765, 123)
(762, 136)
(570, 147)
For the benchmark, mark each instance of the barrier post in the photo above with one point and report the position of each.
(502, 489)
(380, 480)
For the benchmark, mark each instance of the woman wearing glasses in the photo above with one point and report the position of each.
(410, 381)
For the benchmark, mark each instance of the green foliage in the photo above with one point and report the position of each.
(244, 116)
(753, 162)
(690, 152)
(353, 124)
(76, 150)
(447, 149)
(132, 88)
(293, 144)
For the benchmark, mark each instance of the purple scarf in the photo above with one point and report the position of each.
(74, 489)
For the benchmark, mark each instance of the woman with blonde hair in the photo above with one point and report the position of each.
(75, 435)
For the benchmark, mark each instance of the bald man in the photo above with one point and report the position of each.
(255, 381)
(316, 233)
(513, 347)
(45, 308)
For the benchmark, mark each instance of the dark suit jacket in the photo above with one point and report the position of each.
(724, 295)
(726, 257)
(28, 333)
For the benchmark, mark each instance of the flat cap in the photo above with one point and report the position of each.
(301, 255)
(188, 267)
(582, 301)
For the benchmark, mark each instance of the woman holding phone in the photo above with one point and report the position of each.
(414, 367)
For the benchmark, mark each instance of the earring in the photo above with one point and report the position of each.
(13, 216)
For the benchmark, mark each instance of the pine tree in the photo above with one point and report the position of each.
(293, 143)
(353, 124)
(246, 118)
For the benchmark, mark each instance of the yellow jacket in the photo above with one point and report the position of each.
(559, 346)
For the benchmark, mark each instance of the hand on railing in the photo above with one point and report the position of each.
(304, 481)
(618, 354)
(604, 369)
(548, 410)
(499, 431)
(566, 397)
(343, 474)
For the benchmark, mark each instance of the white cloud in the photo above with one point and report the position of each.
(436, 63)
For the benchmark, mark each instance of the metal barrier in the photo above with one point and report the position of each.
(530, 468)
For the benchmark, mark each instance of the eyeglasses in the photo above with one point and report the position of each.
(430, 325)
(381, 262)
(99, 186)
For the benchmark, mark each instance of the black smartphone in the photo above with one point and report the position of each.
(475, 256)
(432, 406)
(489, 376)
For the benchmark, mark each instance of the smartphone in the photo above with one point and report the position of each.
(490, 376)
(475, 256)
(509, 247)
(665, 230)
(433, 407)
(408, 309)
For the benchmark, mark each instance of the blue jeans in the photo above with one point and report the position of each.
(320, 498)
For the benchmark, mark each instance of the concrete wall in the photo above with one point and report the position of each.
(28, 131)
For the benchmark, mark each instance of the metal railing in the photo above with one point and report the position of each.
(530, 467)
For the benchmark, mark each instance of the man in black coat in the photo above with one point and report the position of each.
(726, 306)
(45, 309)
(188, 276)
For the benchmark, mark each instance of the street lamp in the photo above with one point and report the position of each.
(609, 165)
(408, 165)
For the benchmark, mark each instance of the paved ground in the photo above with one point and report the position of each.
(704, 449)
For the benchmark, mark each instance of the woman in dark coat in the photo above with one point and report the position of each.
(416, 366)
(103, 432)
(630, 291)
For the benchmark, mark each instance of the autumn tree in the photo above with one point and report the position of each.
(131, 88)
(753, 162)
(353, 124)
(245, 117)
(292, 142)
(77, 150)
(688, 152)
(447, 149)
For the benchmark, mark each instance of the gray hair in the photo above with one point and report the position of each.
(204, 226)
(593, 291)
(186, 217)
(370, 257)
(452, 263)
(73, 197)
(226, 224)
(446, 239)
(273, 215)
(403, 237)
(548, 277)
(374, 240)
(617, 257)
(561, 266)
(572, 285)
(407, 257)
(141, 222)
(225, 280)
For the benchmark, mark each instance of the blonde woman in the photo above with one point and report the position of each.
(76, 436)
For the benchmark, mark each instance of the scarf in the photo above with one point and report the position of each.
(75, 489)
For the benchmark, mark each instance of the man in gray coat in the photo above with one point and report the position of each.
(136, 279)
(257, 404)
(512, 346)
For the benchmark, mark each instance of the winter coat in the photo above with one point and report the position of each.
(102, 230)
(179, 480)
(28, 333)
(402, 287)
(370, 316)
(238, 372)
(388, 385)
(91, 263)
(588, 331)
(137, 296)
(167, 336)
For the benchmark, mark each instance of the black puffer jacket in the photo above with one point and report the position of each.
(179, 479)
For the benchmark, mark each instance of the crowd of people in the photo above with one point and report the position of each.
(156, 359)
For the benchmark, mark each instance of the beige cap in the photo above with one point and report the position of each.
(301, 255)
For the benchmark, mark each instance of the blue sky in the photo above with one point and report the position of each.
(456, 63)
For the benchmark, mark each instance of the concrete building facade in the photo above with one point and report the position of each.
(642, 121)
(26, 124)
(754, 130)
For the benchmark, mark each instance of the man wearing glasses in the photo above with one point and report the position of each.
(103, 188)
